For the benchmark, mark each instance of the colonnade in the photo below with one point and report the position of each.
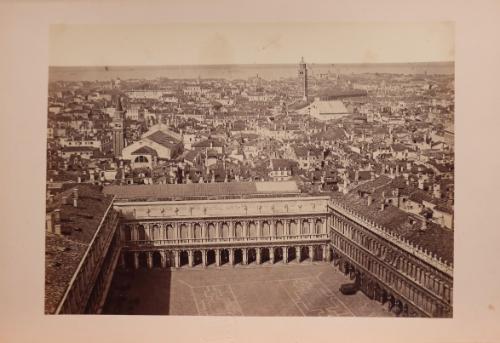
(174, 232)
(221, 256)
(405, 278)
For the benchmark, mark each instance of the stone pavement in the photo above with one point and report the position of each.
(308, 289)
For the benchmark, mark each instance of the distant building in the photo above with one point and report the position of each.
(157, 143)
(325, 109)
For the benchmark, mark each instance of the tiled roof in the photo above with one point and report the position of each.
(162, 138)
(201, 190)
(435, 238)
(64, 252)
(207, 142)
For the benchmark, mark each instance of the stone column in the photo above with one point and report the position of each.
(163, 228)
(136, 260)
(190, 230)
(177, 231)
(217, 257)
(203, 231)
(133, 232)
(311, 253)
(245, 229)
(286, 224)
(217, 230)
(150, 259)
(163, 254)
(245, 256)
(232, 233)
(324, 252)
(297, 254)
(123, 265)
(271, 255)
(204, 258)
(177, 259)
(259, 229)
(257, 255)
(231, 257)
(285, 255)
(190, 257)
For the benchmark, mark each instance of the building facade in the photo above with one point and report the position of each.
(188, 233)
(187, 225)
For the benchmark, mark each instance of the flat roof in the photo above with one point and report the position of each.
(201, 190)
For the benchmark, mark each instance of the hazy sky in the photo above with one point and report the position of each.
(244, 43)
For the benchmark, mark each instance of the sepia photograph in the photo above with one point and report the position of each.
(251, 169)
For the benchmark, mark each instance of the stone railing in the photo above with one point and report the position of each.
(87, 271)
(394, 238)
(225, 240)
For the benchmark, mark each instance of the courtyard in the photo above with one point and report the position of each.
(306, 289)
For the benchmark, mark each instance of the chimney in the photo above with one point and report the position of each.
(75, 197)
(49, 223)
(424, 225)
(356, 176)
(437, 191)
(420, 183)
(382, 206)
(64, 200)
(57, 221)
(370, 199)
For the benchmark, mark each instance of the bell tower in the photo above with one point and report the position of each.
(303, 78)
(117, 126)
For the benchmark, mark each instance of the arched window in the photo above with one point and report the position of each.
(142, 233)
(212, 231)
(252, 228)
(266, 229)
(197, 231)
(141, 159)
(184, 231)
(156, 232)
(305, 227)
(319, 223)
(238, 230)
(279, 229)
(225, 230)
(170, 232)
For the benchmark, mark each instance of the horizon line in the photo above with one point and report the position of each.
(235, 64)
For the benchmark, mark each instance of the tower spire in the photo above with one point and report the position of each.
(303, 77)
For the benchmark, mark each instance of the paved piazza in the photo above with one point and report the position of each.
(280, 290)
